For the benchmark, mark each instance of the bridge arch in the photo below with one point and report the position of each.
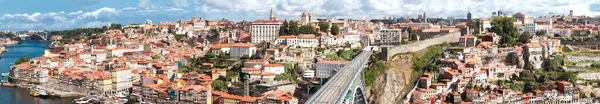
(43, 35)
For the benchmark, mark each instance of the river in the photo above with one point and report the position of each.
(20, 95)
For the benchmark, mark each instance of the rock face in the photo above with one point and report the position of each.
(388, 87)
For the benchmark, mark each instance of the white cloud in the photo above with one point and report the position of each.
(144, 3)
(379, 8)
(80, 19)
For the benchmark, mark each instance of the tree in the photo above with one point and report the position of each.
(255, 56)
(220, 85)
(475, 24)
(293, 28)
(245, 56)
(504, 26)
(323, 26)
(116, 26)
(210, 55)
(335, 30)
(540, 33)
(23, 59)
(179, 36)
(525, 37)
(155, 57)
(283, 30)
(131, 101)
(307, 29)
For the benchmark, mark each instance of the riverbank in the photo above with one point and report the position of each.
(17, 95)
(50, 87)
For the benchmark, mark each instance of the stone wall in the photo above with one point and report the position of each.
(389, 51)
(576, 58)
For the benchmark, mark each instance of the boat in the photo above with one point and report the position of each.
(43, 93)
(8, 84)
(82, 100)
(34, 92)
(51, 95)
(4, 74)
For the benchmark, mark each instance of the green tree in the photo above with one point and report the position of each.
(323, 26)
(335, 30)
(220, 85)
(307, 29)
(283, 30)
(178, 37)
(23, 59)
(525, 37)
(504, 26)
(245, 56)
(116, 26)
(293, 28)
(475, 24)
(131, 101)
(156, 57)
(210, 55)
(540, 33)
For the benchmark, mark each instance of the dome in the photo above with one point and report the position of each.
(519, 15)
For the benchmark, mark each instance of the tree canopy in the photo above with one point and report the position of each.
(283, 30)
(307, 29)
(323, 26)
(505, 27)
(335, 30)
(293, 28)
(525, 37)
(23, 59)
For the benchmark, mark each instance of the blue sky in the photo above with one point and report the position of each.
(68, 14)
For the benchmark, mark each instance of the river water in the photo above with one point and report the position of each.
(19, 95)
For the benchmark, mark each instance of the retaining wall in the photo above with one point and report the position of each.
(389, 51)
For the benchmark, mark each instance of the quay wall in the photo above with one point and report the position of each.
(389, 51)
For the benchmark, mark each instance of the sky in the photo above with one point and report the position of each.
(69, 14)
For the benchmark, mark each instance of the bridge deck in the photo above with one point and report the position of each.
(334, 89)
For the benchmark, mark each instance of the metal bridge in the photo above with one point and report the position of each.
(346, 86)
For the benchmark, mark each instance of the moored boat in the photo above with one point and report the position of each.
(34, 92)
(43, 93)
(51, 95)
(7, 84)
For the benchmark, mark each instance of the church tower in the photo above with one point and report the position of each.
(272, 16)
(148, 22)
(469, 16)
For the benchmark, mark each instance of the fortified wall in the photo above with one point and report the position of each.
(389, 51)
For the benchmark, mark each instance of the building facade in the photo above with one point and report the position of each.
(265, 30)
(390, 36)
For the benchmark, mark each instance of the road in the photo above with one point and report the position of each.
(332, 91)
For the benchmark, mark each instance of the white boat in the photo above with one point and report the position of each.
(4, 74)
(83, 102)
(42, 93)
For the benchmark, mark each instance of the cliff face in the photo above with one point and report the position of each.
(388, 87)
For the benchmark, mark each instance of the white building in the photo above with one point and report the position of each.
(326, 68)
(561, 32)
(274, 68)
(420, 25)
(121, 79)
(265, 30)
(308, 74)
(218, 48)
(41, 75)
(302, 40)
(342, 39)
(390, 36)
(241, 49)
(532, 28)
